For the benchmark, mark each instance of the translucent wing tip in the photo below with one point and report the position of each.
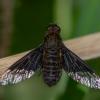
(90, 80)
(15, 76)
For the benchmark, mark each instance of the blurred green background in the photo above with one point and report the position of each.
(27, 23)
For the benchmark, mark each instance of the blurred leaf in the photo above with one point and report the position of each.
(30, 21)
(92, 95)
(89, 21)
(62, 15)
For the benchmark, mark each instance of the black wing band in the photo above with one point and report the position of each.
(24, 67)
(79, 70)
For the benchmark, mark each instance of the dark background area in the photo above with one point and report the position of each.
(22, 27)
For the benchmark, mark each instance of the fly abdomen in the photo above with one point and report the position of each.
(51, 70)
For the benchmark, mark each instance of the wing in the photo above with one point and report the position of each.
(79, 70)
(23, 68)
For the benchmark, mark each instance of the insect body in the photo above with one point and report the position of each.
(52, 59)
(49, 58)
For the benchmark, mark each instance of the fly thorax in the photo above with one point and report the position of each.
(52, 42)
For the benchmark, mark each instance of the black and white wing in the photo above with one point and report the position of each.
(79, 70)
(24, 67)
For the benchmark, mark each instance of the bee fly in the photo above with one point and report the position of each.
(49, 58)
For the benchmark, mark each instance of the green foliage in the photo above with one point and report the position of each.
(30, 21)
(30, 18)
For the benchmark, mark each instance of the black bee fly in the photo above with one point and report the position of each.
(49, 58)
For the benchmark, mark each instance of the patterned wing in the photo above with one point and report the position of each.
(79, 70)
(23, 68)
